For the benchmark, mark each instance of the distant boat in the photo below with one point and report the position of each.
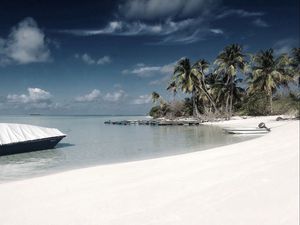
(19, 138)
(246, 130)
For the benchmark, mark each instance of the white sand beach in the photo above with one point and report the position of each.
(249, 183)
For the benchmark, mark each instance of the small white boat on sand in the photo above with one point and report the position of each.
(247, 130)
(260, 129)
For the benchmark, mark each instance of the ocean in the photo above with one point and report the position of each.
(90, 142)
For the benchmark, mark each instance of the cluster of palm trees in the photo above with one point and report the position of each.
(217, 88)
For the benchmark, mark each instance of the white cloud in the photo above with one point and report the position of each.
(145, 71)
(285, 45)
(117, 85)
(179, 22)
(142, 70)
(26, 43)
(162, 81)
(238, 12)
(34, 95)
(158, 9)
(155, 82)
(187, 38)
(35, 98)
(183, 31)
(182, 22)
(140, 64)
(94, 95)
(142, 99)
(217, 31)
(133, 28)
(86, 58)
(260, 23)
(104, 60)
(115, 96)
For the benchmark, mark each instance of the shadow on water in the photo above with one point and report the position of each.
(63, 145)
(42, 154)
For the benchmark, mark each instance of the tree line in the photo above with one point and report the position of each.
(235, 81)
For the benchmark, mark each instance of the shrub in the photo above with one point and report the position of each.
(289, 104)
(255, 105)
(188, 107)
(155, 112)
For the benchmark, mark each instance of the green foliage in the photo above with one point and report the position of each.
(155, 97)
(188, 107)
(269, 73)
(229, 62)
(255, 105)
(155, 112)
(295, 63)
(289, 104)
(220, 91)
(173, 109)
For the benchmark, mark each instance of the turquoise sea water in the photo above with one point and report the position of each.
(90, 142)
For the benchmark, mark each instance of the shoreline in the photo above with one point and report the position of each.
(241, 183)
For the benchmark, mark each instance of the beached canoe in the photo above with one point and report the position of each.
(246, 130)
(19, 138)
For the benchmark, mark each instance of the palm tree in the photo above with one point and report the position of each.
(223, 92)
(229, 62)
(199, 69)
(173, 88)
(268, 73)
(187, 81)
(163, 106)
(155, 97)
(295, 63)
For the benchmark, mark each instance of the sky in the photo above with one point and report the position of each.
(106, 57)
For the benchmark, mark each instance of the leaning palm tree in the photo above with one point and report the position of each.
(229, 62)
(269, 73)
(187, 81)
(199, 69)
(221, 92)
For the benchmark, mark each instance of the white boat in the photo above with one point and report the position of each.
(18, 138)
(246, 130)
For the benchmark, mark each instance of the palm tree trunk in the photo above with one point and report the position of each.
(271, 103)
(231, 100)
(226, 107)
(208, 96)
(211, 101)
(174, 94)
(227, 99)
(195, 107)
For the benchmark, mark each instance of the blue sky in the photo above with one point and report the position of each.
(107, 57)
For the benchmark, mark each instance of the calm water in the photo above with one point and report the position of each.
(90, 142)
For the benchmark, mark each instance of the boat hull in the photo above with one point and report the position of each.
(30, 146)
(246, 131)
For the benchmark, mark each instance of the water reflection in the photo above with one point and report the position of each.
(90, 142)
